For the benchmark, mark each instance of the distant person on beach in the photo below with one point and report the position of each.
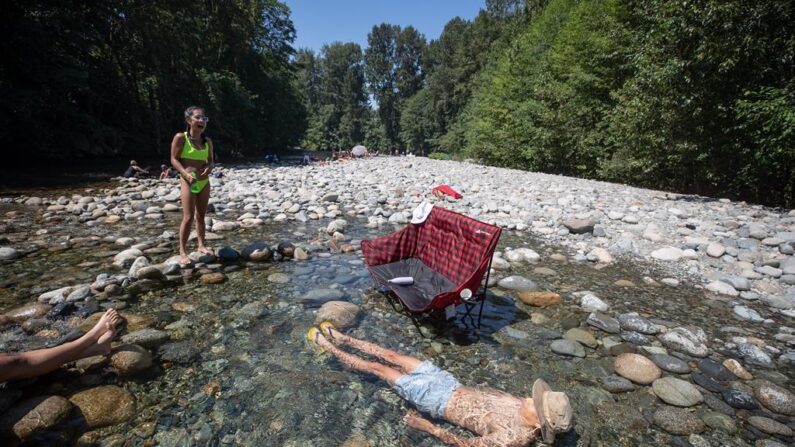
(166, 172)
(24, 365)
(135, 171)
(306, 160)
(192, 157)
(500, 419)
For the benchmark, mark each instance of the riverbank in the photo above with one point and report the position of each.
(643, 284)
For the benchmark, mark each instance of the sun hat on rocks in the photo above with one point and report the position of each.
(553, 409)
(421, 213)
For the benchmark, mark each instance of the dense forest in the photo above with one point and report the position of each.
(96, 78)
(686, 95)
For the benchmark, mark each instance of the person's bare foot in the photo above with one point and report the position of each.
(102, 346)
(184, 260)
(110, 318)
(205, 250)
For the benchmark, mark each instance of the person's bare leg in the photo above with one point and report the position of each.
(202, 199)
(24, 365)
(406, 363)
(383, 372)
(188, 205)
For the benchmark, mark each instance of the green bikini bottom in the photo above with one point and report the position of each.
(198, 185)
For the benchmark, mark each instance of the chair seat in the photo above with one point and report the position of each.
(427, 283)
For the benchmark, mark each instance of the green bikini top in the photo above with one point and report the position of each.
(191, 152)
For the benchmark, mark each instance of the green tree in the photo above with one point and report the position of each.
(394, 72)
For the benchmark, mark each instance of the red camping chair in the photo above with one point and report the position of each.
(445, 254)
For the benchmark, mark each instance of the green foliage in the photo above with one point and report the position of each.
(334, 96)
(394, 73)
(94, 78)
(710, 107)
(438, 156)
(691, 96)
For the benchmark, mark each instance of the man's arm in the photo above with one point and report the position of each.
(504, 438)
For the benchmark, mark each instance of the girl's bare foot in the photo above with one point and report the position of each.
(102, 346)
(205, 250)
(110, 317)
(184, 260)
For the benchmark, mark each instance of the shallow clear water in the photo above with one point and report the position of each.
(250, 378)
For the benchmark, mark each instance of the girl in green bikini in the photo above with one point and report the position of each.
(192, 157)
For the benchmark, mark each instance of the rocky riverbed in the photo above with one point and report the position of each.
(667, 318)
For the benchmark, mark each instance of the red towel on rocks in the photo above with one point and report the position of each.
(447, 190)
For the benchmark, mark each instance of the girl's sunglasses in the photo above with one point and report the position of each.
(203, 118)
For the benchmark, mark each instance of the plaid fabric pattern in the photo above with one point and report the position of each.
(454, 245)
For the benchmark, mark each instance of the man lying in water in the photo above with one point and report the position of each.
(501, 419)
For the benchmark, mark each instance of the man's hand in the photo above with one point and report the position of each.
(414, 420)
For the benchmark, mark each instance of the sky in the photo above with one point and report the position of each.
(318, 22)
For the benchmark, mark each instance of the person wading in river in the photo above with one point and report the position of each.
(501, 419)
(192, 157)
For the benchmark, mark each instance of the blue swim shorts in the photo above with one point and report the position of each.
(428, 387)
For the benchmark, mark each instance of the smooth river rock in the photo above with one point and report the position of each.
(636, 368)
(677, 392)
(341, 313)
(678, 421)
(33, 415)
(775, 398)
(104, 405)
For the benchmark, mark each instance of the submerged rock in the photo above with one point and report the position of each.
(342, 314)
(775, 398)
(104, 406)
(677, 392)
(33, 415)
(636, 368)
(677, 421)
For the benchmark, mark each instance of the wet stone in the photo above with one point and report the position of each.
(279, 278)
(737, 369)
(568, 348)
(754, 355)
(739, 399)
(622, 348)
(635, 338)
(715, 370)
(670, 363)
(706, 382)
(719, 421)
(27, 312)
(517, 283)
(104, 406)
(770, 426)
(581, 336)
(148, 338)
(677, 392)
(33, 415)
(540, 299)
(615, 384)
(718, 405)
(775, 398)
(604, 322)
(677, 421)
(342, 314)
(130, 359)
(636, 368)
(685, 339)
(635, 323)
(228, 254)
(213, 278)
(183, 352)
